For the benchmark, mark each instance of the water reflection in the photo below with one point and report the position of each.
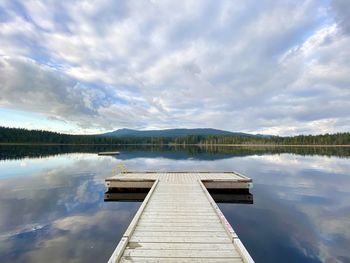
(302, 206)
(58, 215)
(52, 209)
(10, 152)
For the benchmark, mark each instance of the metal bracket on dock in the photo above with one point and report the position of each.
(120, 169)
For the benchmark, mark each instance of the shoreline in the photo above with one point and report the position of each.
(183, 145)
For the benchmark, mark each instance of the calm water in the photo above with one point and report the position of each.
(52, 207)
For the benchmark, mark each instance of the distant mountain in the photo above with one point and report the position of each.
(172, 133)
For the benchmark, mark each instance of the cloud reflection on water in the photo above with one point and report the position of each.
(300, 211)
(58, 215)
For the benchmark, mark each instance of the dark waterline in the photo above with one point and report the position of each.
(52, 205)
(10, 152)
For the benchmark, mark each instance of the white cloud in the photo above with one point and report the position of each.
(141, 64)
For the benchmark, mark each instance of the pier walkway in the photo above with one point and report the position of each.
(178, 220)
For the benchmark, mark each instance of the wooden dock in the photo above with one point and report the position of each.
(178, 220)
(108, 153)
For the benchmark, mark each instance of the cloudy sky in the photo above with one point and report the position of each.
(274, 67)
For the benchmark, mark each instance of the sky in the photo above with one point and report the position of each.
(270, 67)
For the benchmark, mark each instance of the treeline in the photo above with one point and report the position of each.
(15, 135)
(324, 139)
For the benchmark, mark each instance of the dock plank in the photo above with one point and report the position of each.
(176, 239)
(179, 260)
(181, 253)
(161, 228)
(149, 245)
(161, 234)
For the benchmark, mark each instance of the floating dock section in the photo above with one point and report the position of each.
(108, 153)
(179, 220)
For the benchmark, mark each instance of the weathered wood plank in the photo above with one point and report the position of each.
(175, 213)
(178, 220)
(181, 253)
(216, 246)
(206, 234)
(179, 228)
(176, 239)
(167, 216)
(180, 224)
(179, 260)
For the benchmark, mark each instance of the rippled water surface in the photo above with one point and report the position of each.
(52, 205)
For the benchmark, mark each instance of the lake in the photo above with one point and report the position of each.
(52, 205)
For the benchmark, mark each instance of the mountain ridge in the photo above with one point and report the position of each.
(177, 132)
